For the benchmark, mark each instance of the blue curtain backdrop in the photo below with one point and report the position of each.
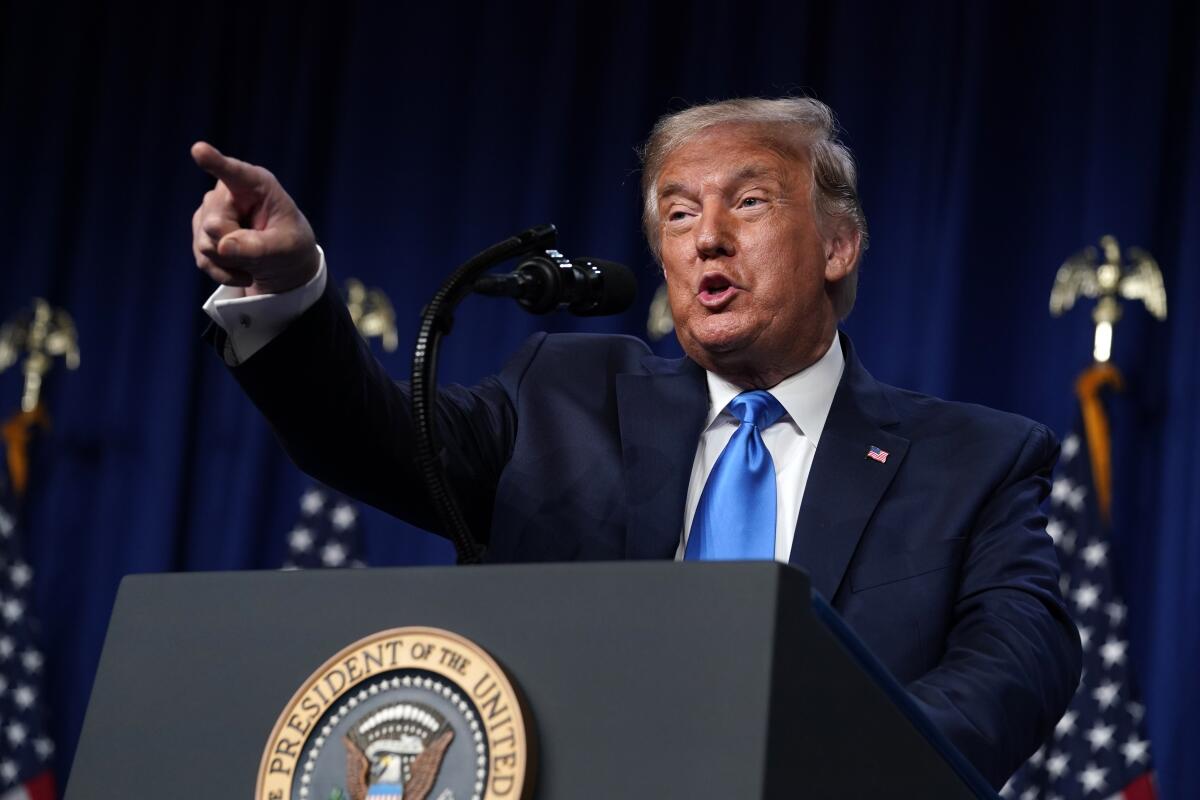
(994, 140)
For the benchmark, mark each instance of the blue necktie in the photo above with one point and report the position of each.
(735, 518)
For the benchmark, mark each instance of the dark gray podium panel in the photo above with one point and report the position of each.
(655, 680)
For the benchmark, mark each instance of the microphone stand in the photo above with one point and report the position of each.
(437, 318)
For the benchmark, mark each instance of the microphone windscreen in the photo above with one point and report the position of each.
(617, 291)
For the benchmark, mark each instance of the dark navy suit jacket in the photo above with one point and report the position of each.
(582, 448)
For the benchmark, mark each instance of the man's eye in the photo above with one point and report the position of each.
(675, 216)
(750, 202)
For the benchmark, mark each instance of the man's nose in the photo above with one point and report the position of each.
(714, 235)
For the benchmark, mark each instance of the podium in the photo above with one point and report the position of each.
(640, 680)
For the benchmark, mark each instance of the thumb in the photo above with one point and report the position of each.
(251, 244)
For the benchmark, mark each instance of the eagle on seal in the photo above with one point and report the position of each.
(396, 754)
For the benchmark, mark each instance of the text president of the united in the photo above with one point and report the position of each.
(918, 518)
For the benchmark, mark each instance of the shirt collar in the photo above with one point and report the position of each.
(806, 396)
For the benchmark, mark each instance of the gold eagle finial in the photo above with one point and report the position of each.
(660, 322)
(372, 313)
(42, 333)
(1086, 275)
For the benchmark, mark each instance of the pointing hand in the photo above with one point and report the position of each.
(248, 231)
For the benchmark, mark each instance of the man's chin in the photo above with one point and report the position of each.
(722, 347)
(714, 348)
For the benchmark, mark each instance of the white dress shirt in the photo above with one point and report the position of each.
(792, 441)
(252, 322)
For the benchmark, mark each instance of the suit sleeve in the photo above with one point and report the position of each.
(1012, 659)
(343, 421)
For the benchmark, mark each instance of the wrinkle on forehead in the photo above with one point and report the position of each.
(775, 139)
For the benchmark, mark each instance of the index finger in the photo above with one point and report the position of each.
(232, 172)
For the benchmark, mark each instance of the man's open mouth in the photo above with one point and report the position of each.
(716, 290)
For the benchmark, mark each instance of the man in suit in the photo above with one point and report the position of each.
(918, 518)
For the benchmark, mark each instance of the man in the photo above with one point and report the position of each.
(918, 518)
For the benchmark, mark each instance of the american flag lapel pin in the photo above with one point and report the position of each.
(877, 455)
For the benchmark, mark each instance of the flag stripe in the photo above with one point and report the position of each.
(1142, 788)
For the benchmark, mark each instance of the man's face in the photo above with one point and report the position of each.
(745, 265)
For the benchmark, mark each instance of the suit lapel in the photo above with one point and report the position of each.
(844, 486)
(661, 415)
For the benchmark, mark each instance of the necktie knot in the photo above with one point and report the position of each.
(759, 408)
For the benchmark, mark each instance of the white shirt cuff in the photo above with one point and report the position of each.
(251, 322)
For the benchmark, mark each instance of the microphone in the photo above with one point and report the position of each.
(586, 287)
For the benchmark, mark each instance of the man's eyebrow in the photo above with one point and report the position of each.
(668, 189)
(748, 172)
(752, 172)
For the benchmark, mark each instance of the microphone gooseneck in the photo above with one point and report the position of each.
(436, 320)
(543, 281)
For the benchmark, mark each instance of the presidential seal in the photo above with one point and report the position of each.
(408, 713)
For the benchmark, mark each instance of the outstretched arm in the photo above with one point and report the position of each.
(335, 410)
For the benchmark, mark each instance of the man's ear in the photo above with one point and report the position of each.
(841, 251)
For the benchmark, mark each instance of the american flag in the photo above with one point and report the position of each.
(1099, 748)
(25, 748)
(327, 533)
(876, 454)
